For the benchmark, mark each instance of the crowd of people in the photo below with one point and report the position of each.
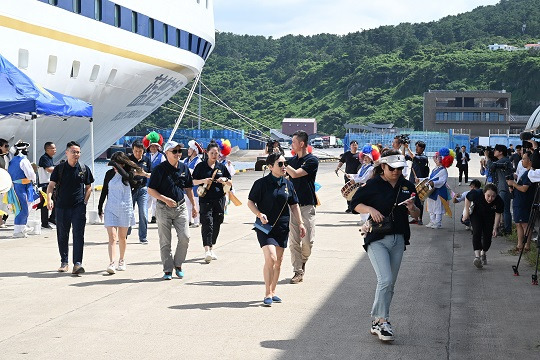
(390, 195)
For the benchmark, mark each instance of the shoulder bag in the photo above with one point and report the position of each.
(266, 228)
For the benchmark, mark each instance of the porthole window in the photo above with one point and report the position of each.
(23, 59)
(75, 67)
(52, 64)
(95, 73)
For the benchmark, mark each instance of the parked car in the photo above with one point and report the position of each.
(317, 143)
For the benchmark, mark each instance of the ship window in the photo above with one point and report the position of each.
(53, 2)
(134, 23)
(75, 67)
(23, 58)
(207, 3)
(190, 36)
(177, 37)
(111, 77)
(95, 73)
(77, 6)
(151, 28)
(117, 16)
(165, 33)
(52, 65)
(97, 10)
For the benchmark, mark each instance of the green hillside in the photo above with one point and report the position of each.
(375, 75)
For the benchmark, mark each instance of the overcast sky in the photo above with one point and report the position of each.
(307, 17)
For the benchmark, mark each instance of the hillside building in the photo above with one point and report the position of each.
(475, 112)
(502, 47)
(290, 125)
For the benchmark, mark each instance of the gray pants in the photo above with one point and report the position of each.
(301, 247)
(168, 217)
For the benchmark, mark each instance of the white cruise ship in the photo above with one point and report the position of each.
(125, 57)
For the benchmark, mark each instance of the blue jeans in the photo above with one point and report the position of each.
(507, 216)
(65, 217)
(385, 256)
(140, 197)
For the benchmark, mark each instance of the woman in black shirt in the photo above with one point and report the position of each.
(268, 200)
(386, 195)
(212, 175)
(485, 219)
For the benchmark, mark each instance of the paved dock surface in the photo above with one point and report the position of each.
(443, 307)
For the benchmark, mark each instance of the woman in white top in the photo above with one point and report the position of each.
(119, 215)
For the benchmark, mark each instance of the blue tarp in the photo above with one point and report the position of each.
(19, 94)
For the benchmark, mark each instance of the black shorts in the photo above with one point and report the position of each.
(271, 239)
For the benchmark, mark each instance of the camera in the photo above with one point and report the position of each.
(403, 139)
(480, 149)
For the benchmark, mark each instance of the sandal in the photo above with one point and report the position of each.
(527, 248)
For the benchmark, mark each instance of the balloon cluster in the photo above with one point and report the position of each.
(224, 147)
(152, 138)
(447, 156)
(370, 150)
(309, 150)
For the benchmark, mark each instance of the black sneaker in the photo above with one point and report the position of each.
(153, 220)
(484, 259)
(348, 211)
(382, 330)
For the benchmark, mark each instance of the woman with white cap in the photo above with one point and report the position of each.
(23, 176)
(389, 199)
(191, 161)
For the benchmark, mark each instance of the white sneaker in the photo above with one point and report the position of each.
(208, 257)
(111, 269)
(20, 235)
(213, 254)
(3, 226)
(436, 226)
(429, 225)
(121, 265)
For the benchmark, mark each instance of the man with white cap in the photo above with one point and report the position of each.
(156, 157)
(168, 183)
(23, 175)
(191, 161)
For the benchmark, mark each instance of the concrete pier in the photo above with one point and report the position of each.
(443, 307)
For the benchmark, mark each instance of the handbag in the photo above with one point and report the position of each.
(385, 227)
(266, 228)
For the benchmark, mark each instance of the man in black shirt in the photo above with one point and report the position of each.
(420, 169)
(140, 192)
(515, 158)
(168, 182)
(462, 162)
(73, 188)
(302, 170)
(45, 169)
(352, 163)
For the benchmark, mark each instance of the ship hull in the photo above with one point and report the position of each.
(125, 76)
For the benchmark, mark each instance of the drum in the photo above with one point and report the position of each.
(424, 189)
(349, 189)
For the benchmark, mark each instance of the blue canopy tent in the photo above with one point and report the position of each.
(22, 99)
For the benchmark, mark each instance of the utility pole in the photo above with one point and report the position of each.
(199, 127)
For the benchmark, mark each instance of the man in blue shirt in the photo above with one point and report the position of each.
(140, 192)
(302, 170)
(168, 182)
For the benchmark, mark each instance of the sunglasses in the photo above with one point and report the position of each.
(176, 151)
(282, 163)
(394, 169)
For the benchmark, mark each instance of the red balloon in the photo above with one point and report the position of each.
(160, 142)
(145, 142)
(310, 149)
(293, 153)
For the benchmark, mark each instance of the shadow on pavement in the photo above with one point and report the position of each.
(218, 305)
(226, 283)
(116, 281)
